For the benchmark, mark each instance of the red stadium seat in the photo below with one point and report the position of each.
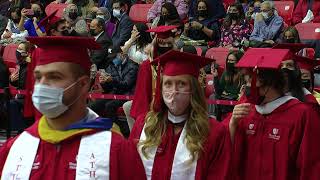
(308, 30)
(9, 55)
(209, 85)
(52, 7)
(219, 54)
(138, 12)
(285, 10)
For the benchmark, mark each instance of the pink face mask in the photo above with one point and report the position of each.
(176, 101)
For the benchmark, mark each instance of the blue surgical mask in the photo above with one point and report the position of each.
(116, 61)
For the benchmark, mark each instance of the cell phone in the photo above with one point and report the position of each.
(29, 12)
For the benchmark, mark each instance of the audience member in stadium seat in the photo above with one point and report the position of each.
(106, 4)
(18, 79)
(97, 30)
(104, 13)
(306, 11)
(169, 15)
(84, 6)
(135, 46)
(235, 28)
(12, 30)
(31, 24)
(228, 87)
(156, 9)
(4, 21)
(124, 24)
(291, 35)
(252, 9)
(216, 9)
(267, 26)
(60, 28)
(74, 21)
(119, 78)
(203, 26)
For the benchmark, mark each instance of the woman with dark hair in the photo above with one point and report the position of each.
(135, 46)
(203, 26)
(228, 87)
(12, 30)
(169, 15)
(156, 9)
(235, 28)
(291, 35)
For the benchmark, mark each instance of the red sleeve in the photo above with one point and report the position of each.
(298, 13)
(115, 164)
(143, 91)
(4, 151)
(308, 160)
(316, 10)
(219, 167)
(137, 128)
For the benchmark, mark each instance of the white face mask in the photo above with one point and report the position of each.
(49, 100)
(265, 15)
(176, 101)
(101, 17)
(116, 13)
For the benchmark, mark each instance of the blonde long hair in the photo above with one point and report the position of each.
(197, 126)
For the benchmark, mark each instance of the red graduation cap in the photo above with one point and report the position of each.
(306, 63)
(49, 20)
(163, 32)
(174, 63)
(261, 58)
(293, 47)
(64, 49)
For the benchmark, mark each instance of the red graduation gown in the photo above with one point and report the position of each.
(279, 146)
(143, 91)
(213, 164)
(54, 159)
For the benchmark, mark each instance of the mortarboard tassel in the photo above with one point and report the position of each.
(157, 96)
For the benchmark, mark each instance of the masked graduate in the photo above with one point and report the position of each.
(175, 139)
(162, 43)
(70, 141)
(277, 139)
(307, 66)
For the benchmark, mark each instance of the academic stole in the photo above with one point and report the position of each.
(92, 160)
(182, 167)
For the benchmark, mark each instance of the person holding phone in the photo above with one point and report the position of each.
(12, 30)
(30, 19)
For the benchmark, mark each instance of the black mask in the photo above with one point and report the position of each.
(162, 50)
(254, 98)
(164, 17)
(233, 16)
(291, 40)
(93, 32)
(20, 58)
(73, 15)
(16, 21)
(36, 14)
(65, 32)
(203, 13)
(292, 77)
(306, 83)
(230, 67)
(247, 91)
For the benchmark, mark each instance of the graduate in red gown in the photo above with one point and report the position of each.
(306, 66)
(176, 140)
(69, 141)
(277, 139)
(162, 43)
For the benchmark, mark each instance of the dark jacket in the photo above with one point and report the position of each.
(4, 75)
(3, 24)
(99, 57)
(122, 31)
(124, 78)
(21, 82)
